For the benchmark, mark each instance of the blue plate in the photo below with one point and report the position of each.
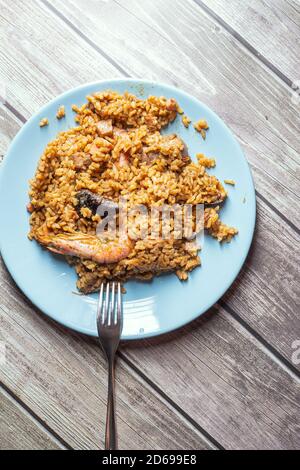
(150, 308)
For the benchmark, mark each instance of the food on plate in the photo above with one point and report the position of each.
(117, 152)
(44, 122)
(61, 112)
(185, 121)
(86, 246)
(231, 182)
(205, 161)
(201, 126)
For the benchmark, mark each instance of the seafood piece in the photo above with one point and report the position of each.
(87, 246)
(117, 131)
(91, 200)
(123, 159)
(105, 128)
(149, 157)
(81, 161)
(171, 105)
(29, 208)
(98, 144)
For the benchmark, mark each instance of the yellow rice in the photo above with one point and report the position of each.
(159, 171)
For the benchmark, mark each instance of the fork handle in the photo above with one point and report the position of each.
(110, 431)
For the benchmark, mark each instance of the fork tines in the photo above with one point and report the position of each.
(109, 304)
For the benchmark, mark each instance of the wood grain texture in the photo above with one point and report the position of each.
(272, 27)
(41, 57)
(205, 60)
(266, 298)
(214, 370)
(227, 381)
(267, 292)
(19, 431)
(9, 126)
(257, 286)
(61, 376)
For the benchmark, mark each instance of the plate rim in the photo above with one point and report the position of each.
(110, 83)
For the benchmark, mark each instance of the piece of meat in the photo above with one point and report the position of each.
(87, 246)
(123, 159)
(185, 150)
(117, 131)
(98, 144)
(29, 207)
(92, 201)
(171, 105)
(151, 122)
(149, 157)
(93, 149)
(172, 142)
(81, 161)
(105, 128)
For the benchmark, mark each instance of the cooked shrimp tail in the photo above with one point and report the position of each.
(88, 247)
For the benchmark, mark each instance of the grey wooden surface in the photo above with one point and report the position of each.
(230, 379)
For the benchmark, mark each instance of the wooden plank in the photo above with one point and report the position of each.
(271, 27)
(40, 57)
(62, 377)
(272, 319)
(275, 173)
(266, 293)
(227, 425)
(266, 298)
(219, 374)
(9, 126)
(175, 356)
(19, 431)
(178, 43)
(213, 369)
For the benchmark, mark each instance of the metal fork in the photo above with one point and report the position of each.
(109, 324)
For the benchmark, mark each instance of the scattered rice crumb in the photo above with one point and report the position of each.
(185, 121)
(180, 110)
(201, 126)
(232, 182)
(61, 112)
(203, 134)
(44, 122)
(86, 212)
(205, 161)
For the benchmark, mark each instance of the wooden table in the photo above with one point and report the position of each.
(231, 379)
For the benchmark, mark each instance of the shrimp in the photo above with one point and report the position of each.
(87, 246)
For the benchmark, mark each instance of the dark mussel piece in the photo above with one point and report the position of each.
(92, 201)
